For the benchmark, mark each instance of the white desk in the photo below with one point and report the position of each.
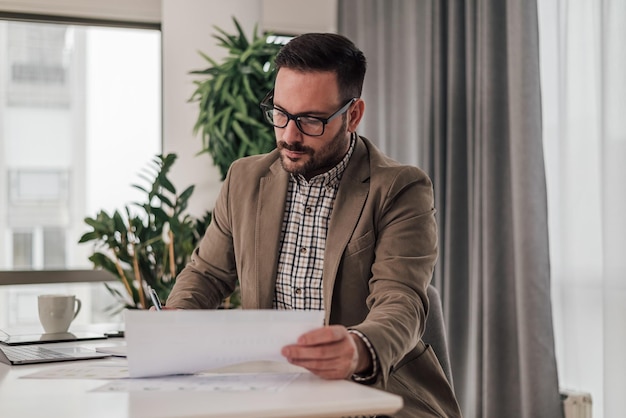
(307, 396)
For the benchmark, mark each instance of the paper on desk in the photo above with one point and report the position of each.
(266, 382)
(189, 341)
(82, 370)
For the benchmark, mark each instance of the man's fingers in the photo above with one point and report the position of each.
(328, 352)
(320, 352)
(325, 335)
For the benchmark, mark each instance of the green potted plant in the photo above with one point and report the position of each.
(149, 242)
(228, 96)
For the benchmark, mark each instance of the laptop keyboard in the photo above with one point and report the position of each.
(31, 353)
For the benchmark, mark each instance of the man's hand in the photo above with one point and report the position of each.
(329, 352)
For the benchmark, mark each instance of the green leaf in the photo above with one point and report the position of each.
(241, 133)
(161, 216)
(89, 236)
(219, 81)
(167, 185)
(119, 224)
(225, 119)
(247, 120)
(209, 59)
(186, 194)
(166, 200)
(242, 36)
(247, 88)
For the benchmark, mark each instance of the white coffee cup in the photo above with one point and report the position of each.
(56, 312)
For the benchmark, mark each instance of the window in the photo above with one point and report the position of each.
(80, 115)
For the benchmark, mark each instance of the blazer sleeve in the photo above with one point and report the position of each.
(404, 254)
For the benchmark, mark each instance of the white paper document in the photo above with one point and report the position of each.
(83, 370)
(189, 341)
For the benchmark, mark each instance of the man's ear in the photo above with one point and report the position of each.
(355, 114)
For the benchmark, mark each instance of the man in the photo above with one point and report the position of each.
(326, 221)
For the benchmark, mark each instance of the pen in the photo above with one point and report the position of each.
(156, 302)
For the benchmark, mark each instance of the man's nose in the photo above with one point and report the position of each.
(291, 133)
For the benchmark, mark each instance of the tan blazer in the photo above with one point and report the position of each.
(380, 253)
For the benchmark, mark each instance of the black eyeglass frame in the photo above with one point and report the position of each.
(266, 106)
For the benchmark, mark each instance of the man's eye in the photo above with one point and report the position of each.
(309, 121)
(278, 115)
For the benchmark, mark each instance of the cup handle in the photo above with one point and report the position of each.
(78, 306)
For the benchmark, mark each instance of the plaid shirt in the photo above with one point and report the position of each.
(303, 240)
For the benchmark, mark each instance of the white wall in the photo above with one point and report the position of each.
(299, 16)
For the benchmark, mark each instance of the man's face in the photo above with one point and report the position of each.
(311, 94)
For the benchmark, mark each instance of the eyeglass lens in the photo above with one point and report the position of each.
(308, 125)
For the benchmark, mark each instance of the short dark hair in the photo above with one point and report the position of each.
(326, 52)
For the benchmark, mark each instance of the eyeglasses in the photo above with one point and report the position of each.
(308, 125)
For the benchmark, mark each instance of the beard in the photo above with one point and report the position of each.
(315, 161)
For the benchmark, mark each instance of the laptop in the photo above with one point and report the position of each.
(31, 354)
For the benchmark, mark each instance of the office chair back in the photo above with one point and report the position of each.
(435, 332)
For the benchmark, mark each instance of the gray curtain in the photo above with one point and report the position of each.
(453, 86)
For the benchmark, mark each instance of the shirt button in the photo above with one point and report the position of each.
(308, 210)
(303, 250)
(298, 291)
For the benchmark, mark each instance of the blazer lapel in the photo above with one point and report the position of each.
(347, 208)
(268, 225)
